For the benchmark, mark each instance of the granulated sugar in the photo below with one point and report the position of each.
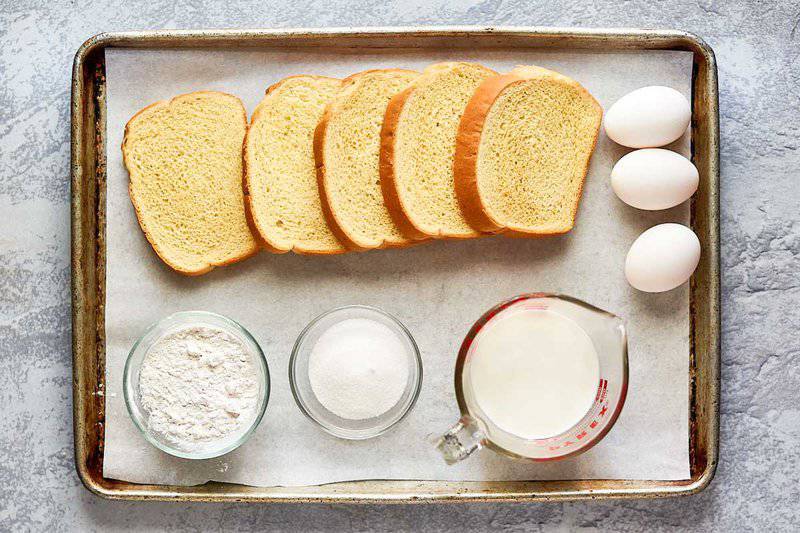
(198, 386)
(358, 368)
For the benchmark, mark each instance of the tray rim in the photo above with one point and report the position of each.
(670, 39)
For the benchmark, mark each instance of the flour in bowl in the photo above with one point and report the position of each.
(198, 386)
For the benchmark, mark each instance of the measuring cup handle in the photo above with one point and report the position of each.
(461, 440)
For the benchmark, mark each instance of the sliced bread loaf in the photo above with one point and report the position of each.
(184, 157)
(523, 150)
(280, 177)
(418, 143)
(346, 149)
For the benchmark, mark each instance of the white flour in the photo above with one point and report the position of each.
(198, 385)
(358, 368)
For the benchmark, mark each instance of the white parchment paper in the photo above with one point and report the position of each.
(437, 290)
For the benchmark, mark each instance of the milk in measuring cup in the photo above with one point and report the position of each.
(534, 373)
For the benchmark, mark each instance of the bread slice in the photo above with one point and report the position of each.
(418, 143)
(346, 149)
(184, 157)
(281, 190)
(522, 152)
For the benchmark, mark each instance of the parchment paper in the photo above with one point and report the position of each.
(438, 290)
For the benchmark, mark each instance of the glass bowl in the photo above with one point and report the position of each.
(134, 363)
(304, 394)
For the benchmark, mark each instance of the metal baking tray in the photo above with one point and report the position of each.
(88, 171)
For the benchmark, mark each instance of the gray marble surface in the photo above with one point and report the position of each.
(757, 43)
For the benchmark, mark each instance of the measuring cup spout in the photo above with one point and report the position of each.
(461, 440)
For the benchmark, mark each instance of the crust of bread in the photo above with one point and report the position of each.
(394, 201)
(330, 216)
(156, 248)
(319, 149)
(386, 165)
(262, 236)
(468, 141)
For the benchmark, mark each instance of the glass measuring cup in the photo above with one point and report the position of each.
(476, 430)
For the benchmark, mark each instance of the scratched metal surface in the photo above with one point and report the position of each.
(757, 47)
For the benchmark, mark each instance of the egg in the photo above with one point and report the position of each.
(662, 258)
(654, 178)
(648, 117)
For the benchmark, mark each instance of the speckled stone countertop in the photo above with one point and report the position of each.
(757, 44)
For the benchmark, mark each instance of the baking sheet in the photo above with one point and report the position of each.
(437, 290)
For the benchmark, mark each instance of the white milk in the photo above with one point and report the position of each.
(534, 373)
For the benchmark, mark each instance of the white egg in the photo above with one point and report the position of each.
(662, 258)
(654, 178)
(648, 117)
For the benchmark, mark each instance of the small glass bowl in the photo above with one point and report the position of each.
(167, 325)
(309, 404)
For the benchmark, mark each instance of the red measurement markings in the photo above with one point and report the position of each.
(602, 393)
(531, 306)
